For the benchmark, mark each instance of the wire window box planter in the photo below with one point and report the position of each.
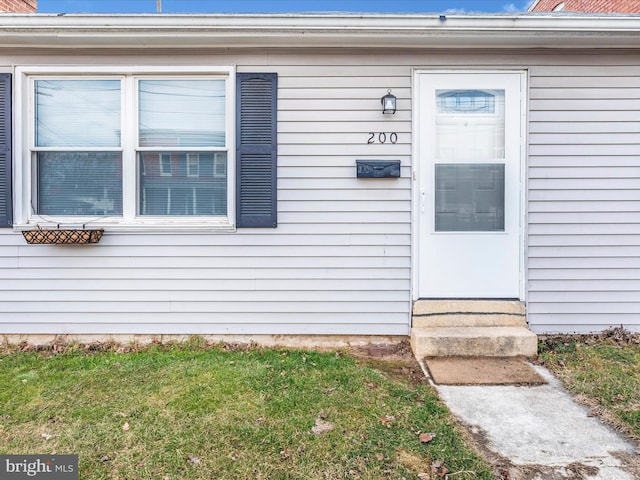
(62, 236)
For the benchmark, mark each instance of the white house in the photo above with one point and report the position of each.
(228, 160)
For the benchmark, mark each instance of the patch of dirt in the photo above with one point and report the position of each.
(613, 336)
(509, 471)
(394, 359)
(400, 351)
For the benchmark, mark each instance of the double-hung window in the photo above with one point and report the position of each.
(150, 147)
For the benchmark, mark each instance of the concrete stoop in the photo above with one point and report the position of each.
(488, 328)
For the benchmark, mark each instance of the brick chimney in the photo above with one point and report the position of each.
(18, 6)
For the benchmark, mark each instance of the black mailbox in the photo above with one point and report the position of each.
(378, 168)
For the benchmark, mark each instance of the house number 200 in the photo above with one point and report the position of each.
(382, 137)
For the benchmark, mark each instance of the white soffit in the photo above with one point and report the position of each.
(318, 30)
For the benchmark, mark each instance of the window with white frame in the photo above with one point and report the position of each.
(128, 148)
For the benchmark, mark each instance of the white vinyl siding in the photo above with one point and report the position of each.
(338, 262)
(584, 200)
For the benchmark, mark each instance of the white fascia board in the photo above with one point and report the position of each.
(319, 30)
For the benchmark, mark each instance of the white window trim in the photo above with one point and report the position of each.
(23, 139)
(193, 170)
(163, 171)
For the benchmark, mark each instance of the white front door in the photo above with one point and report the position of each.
(470, 137)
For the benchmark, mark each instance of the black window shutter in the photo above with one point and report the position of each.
(6, 206)
(256, 154)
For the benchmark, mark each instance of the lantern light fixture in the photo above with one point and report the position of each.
(389, 103)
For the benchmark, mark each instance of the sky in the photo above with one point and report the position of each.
(275, 6)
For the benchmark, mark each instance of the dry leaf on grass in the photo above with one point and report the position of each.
(426, 437)
(125, 427)
(286, 453)
(387, 420)
(439, 469)
(321, 426)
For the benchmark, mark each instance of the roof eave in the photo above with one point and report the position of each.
(328, 30)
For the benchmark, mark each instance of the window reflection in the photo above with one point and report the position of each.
(179, 183)
(77, 113)
(182, 113)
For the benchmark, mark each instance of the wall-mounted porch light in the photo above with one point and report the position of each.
(389, 103)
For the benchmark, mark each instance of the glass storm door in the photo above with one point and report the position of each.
(470, 166)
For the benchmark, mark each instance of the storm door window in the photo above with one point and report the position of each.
(181, 129)
(469, 167)
(77, 154)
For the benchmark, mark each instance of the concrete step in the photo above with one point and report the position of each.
(468, 306)
(468, 313)
(469, 320)
(500, 341)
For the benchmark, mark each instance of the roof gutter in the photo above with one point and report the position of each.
(318, 30)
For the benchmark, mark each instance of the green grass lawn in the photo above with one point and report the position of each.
(192, 411)
(605, 370)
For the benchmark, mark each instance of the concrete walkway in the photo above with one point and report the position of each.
(539, 432)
